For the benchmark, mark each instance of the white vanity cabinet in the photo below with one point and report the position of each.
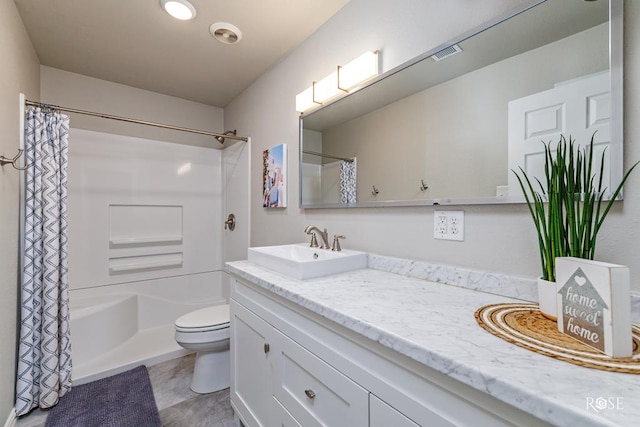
(383, 415)
(292, 367)
(269, 370)
(282, 417)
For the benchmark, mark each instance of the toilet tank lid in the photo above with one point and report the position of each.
(209, 316)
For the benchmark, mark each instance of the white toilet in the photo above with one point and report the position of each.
(206, 331)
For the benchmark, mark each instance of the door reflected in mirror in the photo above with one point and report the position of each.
(449, 127)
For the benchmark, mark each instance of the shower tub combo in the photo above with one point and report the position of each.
(115, 328)
(145, 247)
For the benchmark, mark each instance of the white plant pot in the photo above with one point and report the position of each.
(547, 298)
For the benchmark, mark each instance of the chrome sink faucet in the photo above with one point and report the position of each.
(324, 236)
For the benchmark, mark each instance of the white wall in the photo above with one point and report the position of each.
(19, 73)
(86, 93)
(497, 238)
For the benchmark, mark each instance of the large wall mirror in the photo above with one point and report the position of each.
(450, 126)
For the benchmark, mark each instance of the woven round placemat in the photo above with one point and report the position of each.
(525, 326)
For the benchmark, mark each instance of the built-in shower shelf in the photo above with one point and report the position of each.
(140, 241)
(146, 262)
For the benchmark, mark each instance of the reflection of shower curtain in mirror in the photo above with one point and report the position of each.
(348, 181)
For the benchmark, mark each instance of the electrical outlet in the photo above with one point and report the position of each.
(441, 224)
(448, 225)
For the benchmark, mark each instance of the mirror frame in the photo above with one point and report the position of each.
(616, 65)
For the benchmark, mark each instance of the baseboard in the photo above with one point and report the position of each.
(11, 421)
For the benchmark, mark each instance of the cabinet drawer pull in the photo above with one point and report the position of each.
(266, 348)
(310, 393)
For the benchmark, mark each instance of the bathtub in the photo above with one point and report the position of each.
(116, 328)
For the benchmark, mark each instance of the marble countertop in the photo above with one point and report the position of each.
(433, 323)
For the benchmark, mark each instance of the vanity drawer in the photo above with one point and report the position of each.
(383, 415)
(282, 417)
(314, 393)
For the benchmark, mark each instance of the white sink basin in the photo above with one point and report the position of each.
(303, 262)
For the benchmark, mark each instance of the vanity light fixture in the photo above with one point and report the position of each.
(357, 71)
(343, 80)
(326, 88)
(179, 9)
(304, 100)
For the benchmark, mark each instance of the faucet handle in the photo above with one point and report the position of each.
(336, 242)
(314, 241)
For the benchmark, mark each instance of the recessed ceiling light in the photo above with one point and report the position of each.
(225, 32)
(179, 9)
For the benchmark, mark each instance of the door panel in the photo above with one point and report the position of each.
(577, 108)
(251, 366)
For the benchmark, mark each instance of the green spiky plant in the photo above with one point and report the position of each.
(575, 205)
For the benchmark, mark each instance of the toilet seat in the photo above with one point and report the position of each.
(204, 320)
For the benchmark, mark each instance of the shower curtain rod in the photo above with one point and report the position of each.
(136, 121)
(328, 156)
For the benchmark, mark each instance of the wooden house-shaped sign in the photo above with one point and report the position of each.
(583, 310)
(594, 304)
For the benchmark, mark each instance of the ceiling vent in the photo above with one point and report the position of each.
(225, 33)
(446, 52)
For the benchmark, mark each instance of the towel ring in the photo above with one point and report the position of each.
(14, 162)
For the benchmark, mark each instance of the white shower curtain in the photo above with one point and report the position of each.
(44, 354)
(348, 181)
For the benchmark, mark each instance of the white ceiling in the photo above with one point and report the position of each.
(134, 42)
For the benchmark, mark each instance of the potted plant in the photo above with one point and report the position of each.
(568, 209)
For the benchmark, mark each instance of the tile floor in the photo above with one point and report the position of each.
(178, 405)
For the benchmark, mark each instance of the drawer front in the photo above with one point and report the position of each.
(383, 415)
(282, 417)
(314, 393)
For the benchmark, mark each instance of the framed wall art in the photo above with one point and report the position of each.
(274, 177)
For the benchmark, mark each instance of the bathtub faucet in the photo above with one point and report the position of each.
(324, 235)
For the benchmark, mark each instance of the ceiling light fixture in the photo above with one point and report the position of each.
(345, 79)
(225, 32)
(179, 9)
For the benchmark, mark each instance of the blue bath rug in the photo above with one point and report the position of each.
(123, 400)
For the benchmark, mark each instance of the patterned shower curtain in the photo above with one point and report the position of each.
(44, 354)
(348, 181)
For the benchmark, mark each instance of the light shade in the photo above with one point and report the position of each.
(346, 78)
(179, 9)
(359, 70)
(326, 88)
(304, 100)
(318, 93)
